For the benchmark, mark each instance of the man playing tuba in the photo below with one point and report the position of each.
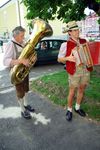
(12, 52)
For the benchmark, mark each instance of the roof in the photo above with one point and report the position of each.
(4, 2)
(60, 37)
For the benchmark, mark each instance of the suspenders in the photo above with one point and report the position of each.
(16, 49)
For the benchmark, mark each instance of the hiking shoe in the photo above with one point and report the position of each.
(29, 108)
(69, 115)
(26, 114)
(80, 112)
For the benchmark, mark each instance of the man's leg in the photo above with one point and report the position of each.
(20, 96)
(80, 94)
(26, 89)
(70, 102)
(71, 96)
(26, 105)
(84, 81)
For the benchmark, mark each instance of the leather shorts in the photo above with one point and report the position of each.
(81, 77)
(22, 88)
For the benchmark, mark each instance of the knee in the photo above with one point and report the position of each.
(82, 88)
(72, 92)
(20, 95)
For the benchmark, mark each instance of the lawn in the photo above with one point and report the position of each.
(55, 87)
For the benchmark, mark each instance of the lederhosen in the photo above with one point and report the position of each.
(23, 87)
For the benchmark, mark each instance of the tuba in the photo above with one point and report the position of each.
(40, 30)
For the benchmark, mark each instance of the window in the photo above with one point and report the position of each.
(55, 44)
(43, 45)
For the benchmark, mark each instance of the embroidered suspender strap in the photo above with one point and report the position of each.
(17, 44)
(16, 50)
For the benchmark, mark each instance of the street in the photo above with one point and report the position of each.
(48, 128)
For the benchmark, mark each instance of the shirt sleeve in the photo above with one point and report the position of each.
(8, 54)
(62, 51)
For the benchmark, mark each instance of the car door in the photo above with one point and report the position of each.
(54, 46)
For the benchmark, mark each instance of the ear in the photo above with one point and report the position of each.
(69, 32)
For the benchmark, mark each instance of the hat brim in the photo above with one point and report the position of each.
(76, 28)
(66, 30)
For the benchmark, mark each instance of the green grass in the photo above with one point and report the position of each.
(55, 87)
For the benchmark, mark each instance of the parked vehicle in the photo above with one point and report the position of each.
(47, 50)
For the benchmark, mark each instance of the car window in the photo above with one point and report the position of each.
(55, 44)
(43, 45)
(37, 46)
(49, 45)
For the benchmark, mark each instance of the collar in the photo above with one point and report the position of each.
(74, 41)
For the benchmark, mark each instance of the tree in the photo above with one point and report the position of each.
(64, 10)
(94, 5)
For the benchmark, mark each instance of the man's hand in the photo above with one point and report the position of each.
(71, 58)
(24, 62)
(68, 58)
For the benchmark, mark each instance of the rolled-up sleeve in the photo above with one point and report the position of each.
(8, 54)
(62, 51)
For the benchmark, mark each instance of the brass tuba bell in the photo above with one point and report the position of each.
(40, 29)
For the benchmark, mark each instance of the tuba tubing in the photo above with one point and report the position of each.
(40, 29)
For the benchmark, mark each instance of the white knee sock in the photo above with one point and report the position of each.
(69, 109)
(77, 106)
(26, 99)
(21, 103)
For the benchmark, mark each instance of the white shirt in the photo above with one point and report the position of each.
(10, 52)
(63, 50)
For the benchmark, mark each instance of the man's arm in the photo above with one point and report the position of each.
(8, 54)
(62, 53)
(62, 58)
(9, 59)
(19, 61)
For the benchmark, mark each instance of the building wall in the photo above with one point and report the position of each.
(11, 15)
(90, 25)
(57, 27)
(8, 18)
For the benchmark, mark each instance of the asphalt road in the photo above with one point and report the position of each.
(48, 128)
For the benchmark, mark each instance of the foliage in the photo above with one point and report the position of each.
(62, 9)
(99, 21)
(98, 1)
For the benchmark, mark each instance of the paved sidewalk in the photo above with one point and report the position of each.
(48, 128)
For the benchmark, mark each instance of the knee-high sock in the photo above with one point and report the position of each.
(21, 103)
(69, 109)
(26, 99)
